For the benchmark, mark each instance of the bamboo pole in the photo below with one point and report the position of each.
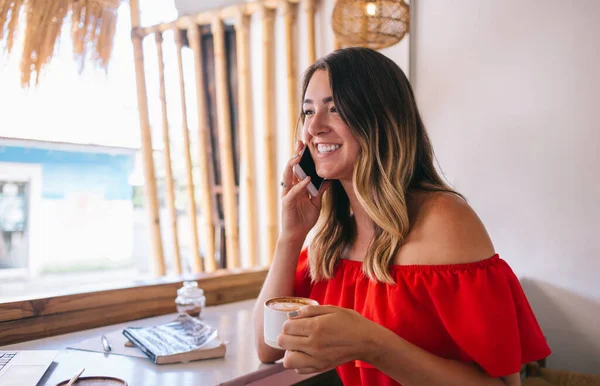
(146, 137)
(290, 19)
(196, 261)
(364, 29)
(242, 31)
(206, 201)
(309, 9)
(232, 238)
(336, 43)
(169, 184)
(271, 180)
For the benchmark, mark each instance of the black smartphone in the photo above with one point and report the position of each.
(306, 167)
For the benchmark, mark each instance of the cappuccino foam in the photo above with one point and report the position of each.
(286, 306)
(289, 304)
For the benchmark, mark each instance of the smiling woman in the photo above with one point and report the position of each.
(411, 289)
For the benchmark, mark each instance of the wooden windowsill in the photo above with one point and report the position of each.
(42, 317)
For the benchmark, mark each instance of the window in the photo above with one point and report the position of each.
(72, 208)
(72, 205)
(71, 213)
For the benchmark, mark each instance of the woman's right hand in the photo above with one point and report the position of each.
(300, 210)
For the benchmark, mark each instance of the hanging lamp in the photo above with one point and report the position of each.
(370, 23)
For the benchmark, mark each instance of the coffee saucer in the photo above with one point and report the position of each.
(96, 381)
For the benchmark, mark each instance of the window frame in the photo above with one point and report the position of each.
(25, 320)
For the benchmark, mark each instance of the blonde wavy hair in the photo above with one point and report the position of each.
(376, 101)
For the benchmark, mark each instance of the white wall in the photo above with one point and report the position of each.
(510, 92)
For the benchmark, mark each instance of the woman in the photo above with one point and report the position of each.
(411, 289)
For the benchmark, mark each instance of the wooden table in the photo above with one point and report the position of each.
(239, 367)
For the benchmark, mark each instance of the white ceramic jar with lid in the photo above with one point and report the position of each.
(190, 299)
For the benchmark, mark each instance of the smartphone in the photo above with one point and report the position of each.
(306, 167)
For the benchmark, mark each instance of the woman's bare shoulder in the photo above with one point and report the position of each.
(444, 230)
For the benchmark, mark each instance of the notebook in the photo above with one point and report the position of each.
(185, 339)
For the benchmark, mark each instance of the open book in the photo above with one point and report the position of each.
(183, 340)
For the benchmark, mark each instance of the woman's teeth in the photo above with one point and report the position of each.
(327, 148)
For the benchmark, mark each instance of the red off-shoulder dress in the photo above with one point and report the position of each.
(475, 312)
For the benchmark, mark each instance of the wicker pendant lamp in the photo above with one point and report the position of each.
(370, 23)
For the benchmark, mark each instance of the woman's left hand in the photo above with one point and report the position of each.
(320, 338)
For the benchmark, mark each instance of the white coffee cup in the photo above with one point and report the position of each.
(276, 313)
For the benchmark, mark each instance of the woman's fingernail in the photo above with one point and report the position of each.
(293, 314)
(295, 156)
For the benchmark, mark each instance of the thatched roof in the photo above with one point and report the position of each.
(93, 27)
